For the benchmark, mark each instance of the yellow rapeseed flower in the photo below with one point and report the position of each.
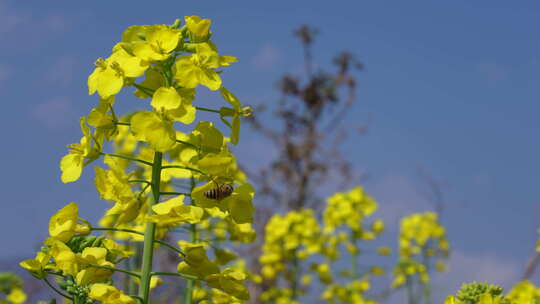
(173, 212)
(199, 68)
(199, 27)
(37, 265)
(108, 294)
(159, 42)
(64, 224)
(79, 155)
(16, 296)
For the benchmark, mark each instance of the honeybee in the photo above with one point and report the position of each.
(220, 192)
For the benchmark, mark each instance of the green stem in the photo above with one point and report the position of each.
(140, 233)
(116, 229)
(128, 158)
(207, 149)
(137, 297)
(207, 110)
(142, 181)
(122, 123)
(144, 189)
(175, 193)
(187, 144)
(148, 247)
(171, 247)
(58, 274)
(188, 295)
(147, 91)
(189, 277)
(186, 168)
(56, 290)
(133, 274)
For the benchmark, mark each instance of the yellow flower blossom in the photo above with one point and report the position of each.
(102, 119)
(109, 75)
(239, 204)
(230, 281)
(37, 265)
(173, 212)
(159, 42)
(93, 256)
(166, 98)
(16, 296)
(64, 224)
(79, 155)
(200, 28)
(65, 260)
(108, 294)
(236, 112)
(241, 232)
(155, 129)
(196, 261)
(349, 209)
(116, 249)
(199, 68)
(524, 292)
(420, 236)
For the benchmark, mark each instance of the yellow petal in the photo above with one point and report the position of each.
(166, 98)
(71, 166)
(149, 127)
(109, 83)
(167, 206)
(166, 39)
(240, 204)
(198, 26)
(210, 79)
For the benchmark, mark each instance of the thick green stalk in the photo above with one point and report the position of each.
(149, 234)
(188, 293)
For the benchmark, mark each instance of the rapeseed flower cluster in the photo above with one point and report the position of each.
(421, 239)
(70, 253)
(345, 221)
(155, 176)
(288, 238)
(299, 247)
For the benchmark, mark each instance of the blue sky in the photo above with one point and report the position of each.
(452, 87)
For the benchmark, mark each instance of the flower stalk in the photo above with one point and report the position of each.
(149, 235)
(188, 295)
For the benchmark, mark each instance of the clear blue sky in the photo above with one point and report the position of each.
(451, 86)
